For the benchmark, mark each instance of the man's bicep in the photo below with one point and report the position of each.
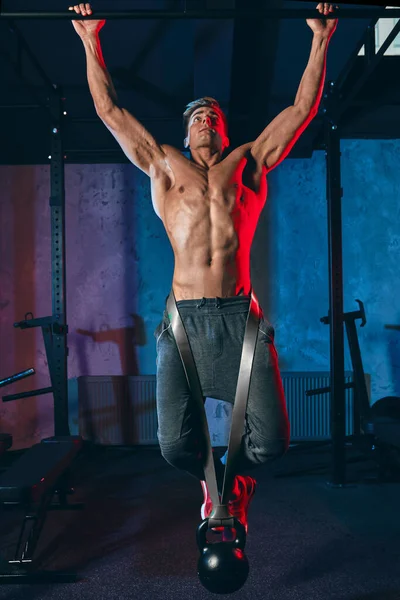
(278, 138)
(136, 142)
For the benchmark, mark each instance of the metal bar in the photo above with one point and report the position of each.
(30, 394)
(139, 117)
(362, 3)
(47, 334)
(19, 577)
(36, 529)
(40, 322)
(325, 390)
(17, 553)
(13, 378)
(19, 106)
(59, 375)
(361, 398)
(343, 106)
(342, 78)
(94, 151)
(267, 13)
(336, 330)
(370, 43)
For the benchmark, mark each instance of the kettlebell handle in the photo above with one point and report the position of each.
(233, 522)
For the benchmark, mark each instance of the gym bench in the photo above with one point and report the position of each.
(32, 482)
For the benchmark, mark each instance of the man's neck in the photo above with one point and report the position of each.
(206, 157)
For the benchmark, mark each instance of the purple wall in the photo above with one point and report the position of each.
(118, 274)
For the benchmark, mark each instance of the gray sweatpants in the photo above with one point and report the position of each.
(215, 329)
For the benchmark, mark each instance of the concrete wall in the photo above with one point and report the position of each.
(119, 269)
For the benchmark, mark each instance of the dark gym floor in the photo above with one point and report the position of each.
(135, 537)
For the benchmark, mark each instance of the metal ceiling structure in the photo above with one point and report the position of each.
(170, 52)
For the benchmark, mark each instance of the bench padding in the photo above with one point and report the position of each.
(37, 470)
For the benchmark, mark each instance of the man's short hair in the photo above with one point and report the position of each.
(205, 101)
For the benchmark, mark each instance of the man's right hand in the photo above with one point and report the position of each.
(85, 28)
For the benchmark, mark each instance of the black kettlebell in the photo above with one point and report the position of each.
(222, 567)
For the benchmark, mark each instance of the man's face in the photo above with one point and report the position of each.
(206, 129)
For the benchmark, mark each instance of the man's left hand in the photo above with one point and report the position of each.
(324, 26)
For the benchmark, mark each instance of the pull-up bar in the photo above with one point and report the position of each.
(266, 13)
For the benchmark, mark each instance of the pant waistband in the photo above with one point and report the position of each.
(215, 305)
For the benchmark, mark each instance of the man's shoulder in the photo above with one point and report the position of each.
(236, 154)
(171, 150)
(245, 147)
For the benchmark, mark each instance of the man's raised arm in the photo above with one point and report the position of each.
(137, 143)
(279, 137)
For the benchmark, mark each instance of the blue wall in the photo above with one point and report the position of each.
(119, 269)
(371, 258)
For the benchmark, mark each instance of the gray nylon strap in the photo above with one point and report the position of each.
(241, 397)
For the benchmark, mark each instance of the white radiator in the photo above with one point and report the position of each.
(119, 410)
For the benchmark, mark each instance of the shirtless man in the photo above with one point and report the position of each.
(210, 208)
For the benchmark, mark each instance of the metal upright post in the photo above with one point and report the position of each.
(334, 198)
(59, 350)
(54, 328)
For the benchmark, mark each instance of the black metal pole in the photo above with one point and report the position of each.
(361, 398)
(261, 12)
(337, 375)
(370, 44)
(58, 368)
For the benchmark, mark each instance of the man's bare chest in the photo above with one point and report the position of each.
(194, 193)
(225, 185)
